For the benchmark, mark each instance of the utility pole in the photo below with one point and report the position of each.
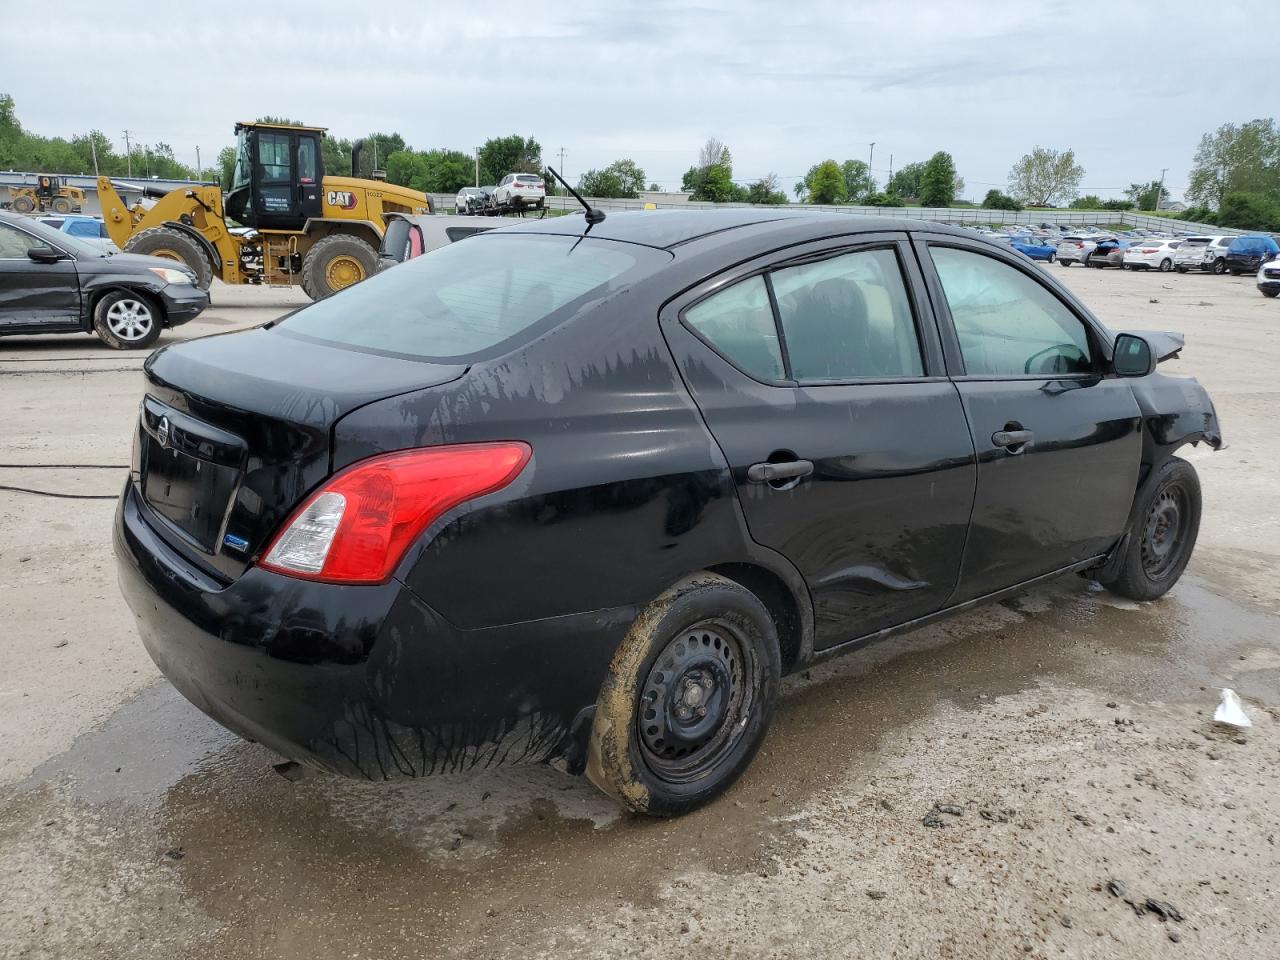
(128, 153)
(890, 180)
(199, 168)
(562, 173)
(1160, 189)
(477, 166)
(93, 148)
(871, 160)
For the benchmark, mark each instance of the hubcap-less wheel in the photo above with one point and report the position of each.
(343, 271)
(1165, 533)
(129, 319)
(695, 702)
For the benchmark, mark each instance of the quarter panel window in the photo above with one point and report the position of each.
(738, 322)
(1007, 324)
(848, 318)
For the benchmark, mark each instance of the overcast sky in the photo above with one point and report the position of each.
(1129, 86)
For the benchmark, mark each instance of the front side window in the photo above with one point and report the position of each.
(14, 244)
(306, 160)
(275, 186)
(738, 323)
(848, 318)
(1007, 323)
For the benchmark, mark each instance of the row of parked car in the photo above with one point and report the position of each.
(516, 191)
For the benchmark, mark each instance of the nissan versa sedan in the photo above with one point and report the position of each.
(583, 490)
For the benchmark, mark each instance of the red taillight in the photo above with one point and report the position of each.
(357, 526)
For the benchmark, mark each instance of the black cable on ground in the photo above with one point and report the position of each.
(61, 496)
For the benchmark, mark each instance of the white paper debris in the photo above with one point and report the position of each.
(1231, 710)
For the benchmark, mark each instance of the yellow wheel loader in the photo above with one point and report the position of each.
(49, 193)
(297, 225)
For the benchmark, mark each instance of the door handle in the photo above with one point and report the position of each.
(1015, 441)
(768, 472)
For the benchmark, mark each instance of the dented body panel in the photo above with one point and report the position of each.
(493, 640)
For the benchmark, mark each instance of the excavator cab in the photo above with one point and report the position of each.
(278, 176)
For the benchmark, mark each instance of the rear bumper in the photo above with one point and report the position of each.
(183, 302)
(366, 681)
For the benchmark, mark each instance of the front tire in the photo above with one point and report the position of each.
(61, 205)
(335, 263)
(1271, 293)
(171, 244)
(688, 698)
(1162, 536)
(23, 205)
(125, 320)
(1052, 257)
(1219, 267)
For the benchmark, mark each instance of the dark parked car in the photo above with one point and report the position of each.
(52, 282)
(1247, 254)
(586, 491)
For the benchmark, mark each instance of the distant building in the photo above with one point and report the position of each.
(1173, 206)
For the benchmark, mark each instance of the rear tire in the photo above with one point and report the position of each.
(23, 205)
(1166, 265)
(61, 205)
(170, 244)
(1052, 257)
(335, 263)
(1270, 293)
(1163, 534)
(688, 698)
(125, 320)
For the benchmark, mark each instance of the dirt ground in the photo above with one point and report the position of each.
(1066, 735)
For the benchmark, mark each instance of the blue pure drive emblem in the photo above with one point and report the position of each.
(235, 543)
(162, 431)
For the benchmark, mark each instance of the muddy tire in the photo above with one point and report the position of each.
(170, 244)
(125, 320)
(1162, 536)
(688, 698)
(22, 205)
(61, 205)
(337, 262)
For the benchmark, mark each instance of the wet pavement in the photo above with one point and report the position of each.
(1068, 728)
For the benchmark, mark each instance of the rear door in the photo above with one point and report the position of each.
(819, 373)
(1058, 442)
(35, 294)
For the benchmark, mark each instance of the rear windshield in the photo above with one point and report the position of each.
(528, 179)
(1198, 241)
(466, 299)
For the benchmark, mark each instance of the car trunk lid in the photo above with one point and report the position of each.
(235, 430)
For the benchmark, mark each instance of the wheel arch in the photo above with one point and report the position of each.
(792, 614)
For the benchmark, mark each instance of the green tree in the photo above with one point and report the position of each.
(447, 171)
(1044, 176)
(1090, 201)
(712, 178)
(1241, 158)
(905, 181)
(938, 184)
(655, 187)
(825, 183)
(408, 168)
(886, 199)
(226, 165)
(1249, 211)
(1144, 196)
(512, 154)
(998, 200)
(858, 183)
(766, 190)
(621, 179)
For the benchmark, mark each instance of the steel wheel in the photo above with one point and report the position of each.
(695, 699)
(130, 319)
(1164, 535)
(343, 271)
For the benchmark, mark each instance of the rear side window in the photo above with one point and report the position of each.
(738, 322)
(466, 299)
(1007, 324)
(848, 318)
(461, 233)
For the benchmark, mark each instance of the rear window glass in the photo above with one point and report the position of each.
(467, 298)
(528, 179)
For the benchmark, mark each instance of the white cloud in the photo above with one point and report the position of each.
(783, 84)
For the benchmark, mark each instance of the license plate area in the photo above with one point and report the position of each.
(191, 471)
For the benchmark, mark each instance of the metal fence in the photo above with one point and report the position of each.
(956, 215)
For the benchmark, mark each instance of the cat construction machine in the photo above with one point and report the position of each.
(297, 226)
(49, 193)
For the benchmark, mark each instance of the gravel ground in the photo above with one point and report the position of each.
(969, 790)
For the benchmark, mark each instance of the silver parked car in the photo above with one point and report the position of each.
(411, 235)
(1202, 253)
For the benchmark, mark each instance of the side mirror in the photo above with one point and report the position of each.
(43, 254)
(1132, 356)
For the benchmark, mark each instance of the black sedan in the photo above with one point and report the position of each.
(585, 491)
(51, 282)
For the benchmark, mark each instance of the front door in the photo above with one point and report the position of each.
(1058, 442)
(34, 295)
(820, 375)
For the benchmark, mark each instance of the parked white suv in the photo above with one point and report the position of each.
(1202, 253)
(521, 190)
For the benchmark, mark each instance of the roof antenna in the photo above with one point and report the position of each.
(594, 214)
